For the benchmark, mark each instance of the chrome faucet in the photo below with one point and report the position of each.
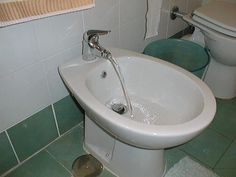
(91, 46)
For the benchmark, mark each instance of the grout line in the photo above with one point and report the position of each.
(9, 139)
(119, 25)
(223, 154)
(58, 162)
(26, 117)
(221, 134)
(83, 21)
(196, 159)
(37, 152)
(9, 171)
(81, 124)
(55, 119)
(45, 72)
(170, 4)
(206, 69)
(187, 6)
(68, 131)
(42, 59)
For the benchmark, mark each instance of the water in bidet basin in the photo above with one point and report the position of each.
(146, 111)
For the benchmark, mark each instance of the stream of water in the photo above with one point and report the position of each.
(122, 82)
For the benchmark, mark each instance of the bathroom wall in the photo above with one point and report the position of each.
(169, 26)
(206, 1)
(31, 52)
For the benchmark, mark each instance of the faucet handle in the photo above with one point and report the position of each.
(97, 32)
(92, 34)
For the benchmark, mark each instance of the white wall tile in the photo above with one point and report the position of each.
(18, 47)
(207, 1)
(132, 24)
(166, 5)
(55, 34)
(56, 86)
(111, 39)
(193, 4)
(132, 10)
(132, 35)
(165, 15)
(104, 16)
(163, 26)
(178, 24)
(22, 93)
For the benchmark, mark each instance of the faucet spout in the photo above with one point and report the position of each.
(91, 46)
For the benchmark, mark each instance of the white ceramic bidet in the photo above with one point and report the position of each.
(171, 106)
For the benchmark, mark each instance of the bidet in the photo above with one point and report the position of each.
(172, 107)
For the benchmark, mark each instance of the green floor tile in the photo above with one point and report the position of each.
(173, 156)
(68, 147)
(226, 172)
(228, 161)
(68, 113)
(7, 157)
(208, 147)
(212, 148)
(41, 165)
(225, 118)
(33, 133)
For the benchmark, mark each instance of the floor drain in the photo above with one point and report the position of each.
(87, 166)
(119, 108)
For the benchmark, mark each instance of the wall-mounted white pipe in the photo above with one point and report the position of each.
(175, 13)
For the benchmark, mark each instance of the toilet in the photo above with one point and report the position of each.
(216, 20)
(196, 37)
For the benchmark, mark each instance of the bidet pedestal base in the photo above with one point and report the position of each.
(122, 159)
(221, 79)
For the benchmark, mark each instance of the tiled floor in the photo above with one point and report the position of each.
(215, 148)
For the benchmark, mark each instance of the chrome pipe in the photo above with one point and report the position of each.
(174, 13)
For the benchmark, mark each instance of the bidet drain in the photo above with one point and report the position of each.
(119, 108)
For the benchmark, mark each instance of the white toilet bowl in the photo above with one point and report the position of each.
(220, 38)
(221, 74)
(196, 37)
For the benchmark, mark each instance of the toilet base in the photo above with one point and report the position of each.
(221, 79)
(122, 159)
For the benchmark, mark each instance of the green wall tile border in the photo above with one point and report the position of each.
(68, 113)
(40, 165)
(34, 133)
(7, 155)
(59, 133)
